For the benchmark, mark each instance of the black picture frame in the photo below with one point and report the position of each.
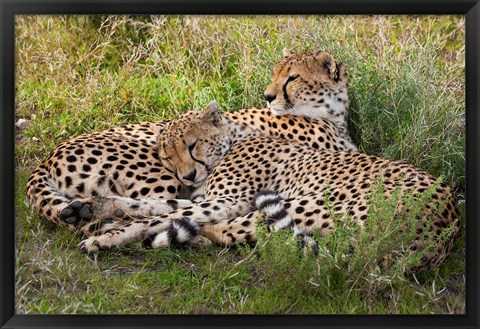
(469, 8)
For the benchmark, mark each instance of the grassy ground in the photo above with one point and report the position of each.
(81, 74)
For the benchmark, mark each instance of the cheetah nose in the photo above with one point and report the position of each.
(191, 175)
(269, 97)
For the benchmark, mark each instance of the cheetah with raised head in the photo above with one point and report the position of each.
(116, 175)
(312, 84)
(234, 163)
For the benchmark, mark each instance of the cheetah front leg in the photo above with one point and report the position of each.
(178, 226)
(125, 207)
(82, 211)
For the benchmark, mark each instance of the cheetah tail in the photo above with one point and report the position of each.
(271, 205)
(180, 232)
(44, 197)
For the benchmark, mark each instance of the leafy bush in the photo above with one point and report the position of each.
(367, 264)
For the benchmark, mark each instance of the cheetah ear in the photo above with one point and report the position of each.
(211, 115)
(286, 52)
(159, 128)
(329, 63)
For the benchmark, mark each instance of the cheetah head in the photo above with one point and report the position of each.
(312, 84)
(191, 144)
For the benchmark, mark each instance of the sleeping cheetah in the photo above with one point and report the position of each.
(116, 174)
(233, 163)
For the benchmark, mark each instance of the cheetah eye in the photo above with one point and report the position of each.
(191, 147)
(292, 78)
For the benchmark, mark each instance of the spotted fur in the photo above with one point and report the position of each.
(315, 185)
(96, 181)
(312, 84)
(270, 205)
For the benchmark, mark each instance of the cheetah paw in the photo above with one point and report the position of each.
(77, 212)
(89, 246)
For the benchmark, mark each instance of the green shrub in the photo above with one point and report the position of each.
(351, 260)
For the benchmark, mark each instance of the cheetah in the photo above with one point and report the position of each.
(234, 164)
(115, 175)
(297, 88)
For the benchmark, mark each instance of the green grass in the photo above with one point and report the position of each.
(78, 74)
